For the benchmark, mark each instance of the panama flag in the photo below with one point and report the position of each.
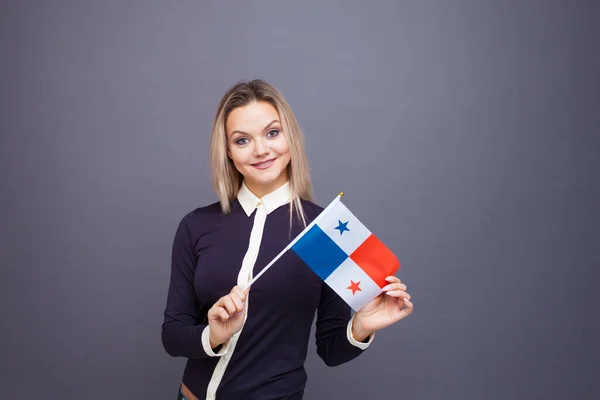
(345, 254)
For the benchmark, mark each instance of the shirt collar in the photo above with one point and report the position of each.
(272, 201)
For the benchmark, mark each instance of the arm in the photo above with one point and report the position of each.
(335, 342)
(181, 334)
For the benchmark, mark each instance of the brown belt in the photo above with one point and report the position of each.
(186, 392)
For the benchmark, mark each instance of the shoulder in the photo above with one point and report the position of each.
(202, 217)
(311, 210)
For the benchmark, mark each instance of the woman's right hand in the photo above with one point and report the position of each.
(226, 316)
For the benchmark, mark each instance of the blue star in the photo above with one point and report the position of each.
(343, 226)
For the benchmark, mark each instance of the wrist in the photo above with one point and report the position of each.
(358, 332)
(214, 342)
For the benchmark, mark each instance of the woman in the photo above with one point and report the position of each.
(252, 343)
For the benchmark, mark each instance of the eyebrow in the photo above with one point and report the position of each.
(244, 133)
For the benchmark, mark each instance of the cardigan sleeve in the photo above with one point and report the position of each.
(181, 335)
(335, 344)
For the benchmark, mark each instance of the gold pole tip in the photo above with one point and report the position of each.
(341, 194)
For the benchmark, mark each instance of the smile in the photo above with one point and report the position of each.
(265, 164)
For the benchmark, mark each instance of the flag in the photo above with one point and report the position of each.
(346, 255)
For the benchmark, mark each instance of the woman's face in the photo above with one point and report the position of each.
(257, 146)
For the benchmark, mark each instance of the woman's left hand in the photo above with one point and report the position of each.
(384, 310)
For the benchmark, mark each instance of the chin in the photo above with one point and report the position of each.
(265, 179)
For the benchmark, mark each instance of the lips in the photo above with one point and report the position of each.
(264, 164)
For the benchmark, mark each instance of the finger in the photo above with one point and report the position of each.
(408, 307)
(213, 312)
(392, 279)
(399, 294)
(229, 305)
(236, 289)
(405, 310)
(223, 314)
(239, 304)
(242, 293)
(394, 286)
(218, 313)
(239, 313)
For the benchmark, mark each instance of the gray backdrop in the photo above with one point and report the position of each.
(464, 133)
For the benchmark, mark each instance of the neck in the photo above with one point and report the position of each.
(263, 190)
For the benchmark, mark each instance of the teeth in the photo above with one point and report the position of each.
(264, 163)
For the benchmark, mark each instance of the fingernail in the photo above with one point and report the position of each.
(389, 278)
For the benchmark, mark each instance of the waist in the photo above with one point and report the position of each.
(247, 385)
(187, 393)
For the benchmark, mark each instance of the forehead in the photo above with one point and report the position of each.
(251, 117)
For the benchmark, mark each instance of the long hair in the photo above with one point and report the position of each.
(226, 179)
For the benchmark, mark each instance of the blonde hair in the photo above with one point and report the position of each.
(226, 179)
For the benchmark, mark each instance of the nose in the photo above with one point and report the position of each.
(260, 149)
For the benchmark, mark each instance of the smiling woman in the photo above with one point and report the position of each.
(235, 351)
(256, 117)
(259, 151)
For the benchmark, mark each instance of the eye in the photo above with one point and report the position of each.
(273, 133)
(241, 141)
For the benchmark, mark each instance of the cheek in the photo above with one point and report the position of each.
(239, 156)
(281, 147)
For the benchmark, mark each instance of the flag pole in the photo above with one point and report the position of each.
(293, 242)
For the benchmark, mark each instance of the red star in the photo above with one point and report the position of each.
(354, 286)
